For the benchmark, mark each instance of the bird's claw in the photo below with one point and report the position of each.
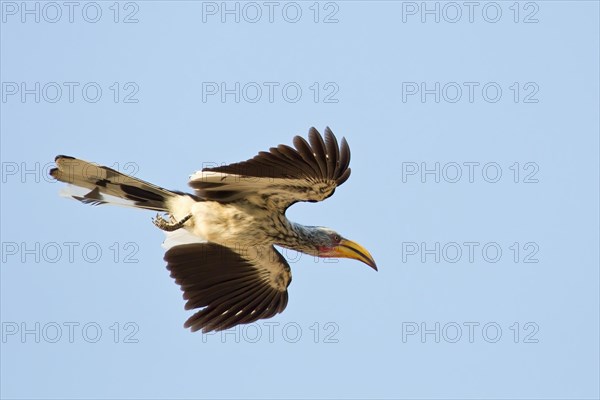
(160, 222)
(164, 225)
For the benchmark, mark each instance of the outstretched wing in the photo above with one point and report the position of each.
(282, 176)
(234, 288)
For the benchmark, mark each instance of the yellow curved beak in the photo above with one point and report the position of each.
(350, 249)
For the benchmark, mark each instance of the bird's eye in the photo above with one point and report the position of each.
(336, 238)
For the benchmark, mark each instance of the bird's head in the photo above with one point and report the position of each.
(329, 243)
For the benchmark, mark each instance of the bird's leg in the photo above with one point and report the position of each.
(163, 224)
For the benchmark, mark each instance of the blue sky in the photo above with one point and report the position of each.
(475, 186)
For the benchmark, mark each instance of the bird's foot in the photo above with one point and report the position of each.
(163, 224)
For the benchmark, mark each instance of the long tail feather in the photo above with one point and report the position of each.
(107, 186)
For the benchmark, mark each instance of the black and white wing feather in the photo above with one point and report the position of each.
(231, 288)
(309, 172)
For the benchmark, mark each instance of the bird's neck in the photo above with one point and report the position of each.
(298, 238)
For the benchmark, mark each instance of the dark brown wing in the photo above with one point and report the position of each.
(231, 288)
(309, 172)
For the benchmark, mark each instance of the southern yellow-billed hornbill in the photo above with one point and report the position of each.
(221, 239)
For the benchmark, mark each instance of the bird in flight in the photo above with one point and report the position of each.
(220, 239)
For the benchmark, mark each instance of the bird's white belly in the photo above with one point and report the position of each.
(226, 224)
